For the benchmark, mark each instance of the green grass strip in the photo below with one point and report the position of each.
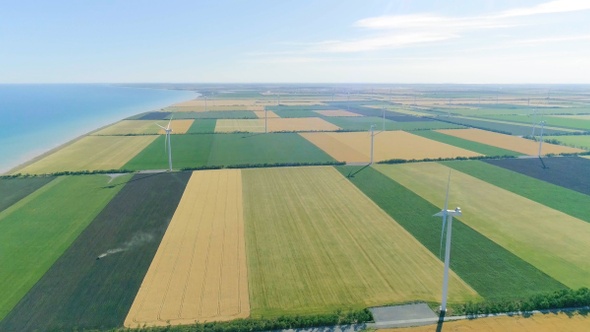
(16, 189)
(556, 197)
(494, 272)
(36, 231)
(484, 149)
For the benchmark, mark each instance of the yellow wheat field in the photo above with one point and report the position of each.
(269, 114)
(274, 125)
(178, 126)
(536, 323)
(507, 142)
(126, 127)
(356, 147)
(337, 113)
(91, 153)
(199, 105)
(199, 271)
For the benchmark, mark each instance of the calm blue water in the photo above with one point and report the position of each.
(36, 118)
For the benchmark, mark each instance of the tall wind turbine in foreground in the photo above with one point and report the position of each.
(445, 213)
(168, 130)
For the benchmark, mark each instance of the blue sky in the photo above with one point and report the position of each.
(396, 41)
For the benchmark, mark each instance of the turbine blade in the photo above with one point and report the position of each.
(166, 143)
(169, 122)
(160, 126)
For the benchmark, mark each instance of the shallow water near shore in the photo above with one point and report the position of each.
(35, 118)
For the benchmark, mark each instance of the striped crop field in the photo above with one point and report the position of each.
(337, 113)
(513, 143)
(484, 149)
(549, 322)
(355, 147)
(126, 127)
(199, 271)
(239, 125)
(91, 153)
(550, 240)
(178, 126)
(39, 228)
(315, 244)
(268, 114)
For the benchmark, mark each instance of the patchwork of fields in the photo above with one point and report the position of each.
(254, 240)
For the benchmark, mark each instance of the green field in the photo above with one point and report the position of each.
(13, 190)
(556, 197)
(99, 293)
(552, 121)
(552, 241)
(577, 141)
(215, 115)
(364, 122)
(315, 243)
(494, 272)
(190, 151)
(202, 126)
(39, 228)
(484, 149)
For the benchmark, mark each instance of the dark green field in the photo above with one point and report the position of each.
(365, 122)
(550, 121)
(202, 126)
(13, 190)
(556, 197)
(513, 129)
(190, 151)
(37, 232)
(81, 292)
(491, 270)
(484, 149)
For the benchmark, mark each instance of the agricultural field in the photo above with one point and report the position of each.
(239, 125)
(178, 126)
(563, 171)
(219, 104)
(13, 190)
(268, 114)
(541, 191)
(518, 144)
(199, 271)
(234, 114)
(91, 153)
(337, 113)
(484, 149)
(129, 127)
(319, 223)
(499, 126)
(576, 141)
(355, 147)
(84, 292)
(365, 122)
(524, 227)
(549, 322)
(554, 121)
(39, 228)
(203, 126)
(494, 272)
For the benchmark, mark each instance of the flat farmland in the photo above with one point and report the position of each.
(80, 291)
(337, 113)
(550, 322)
(554, 121)
(484, 149)
(315, 244)
(199, 271)
(268, 114)
(91, 153)
(355, 147)
(187, 151)
(550, 240)
(39, 228)
(239, 125)
(365, 122)
(563, 171)
(577, 141)
(231, 114)
(494, 272)
(497, 125)
(126, 127)
(300, 124)
(178, 126)
(513, 143)
(219, 104)
(203, 126)
(13, 190)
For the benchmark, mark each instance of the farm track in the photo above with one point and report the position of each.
(199, 271)
(550, 240)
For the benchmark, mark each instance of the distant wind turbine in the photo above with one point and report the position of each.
(372, 141)
(445, 213)
(542, 123)
(167, 146)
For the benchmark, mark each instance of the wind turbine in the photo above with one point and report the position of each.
(168, 130)
(542, 123)
(372, 129)
(445, 213)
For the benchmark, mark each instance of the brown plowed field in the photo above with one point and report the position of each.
(356, 147)
(337, 113)
(507, 142)
(199, 272)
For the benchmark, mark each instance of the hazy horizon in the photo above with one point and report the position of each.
(326, 41)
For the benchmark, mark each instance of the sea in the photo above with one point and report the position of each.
(35, 118)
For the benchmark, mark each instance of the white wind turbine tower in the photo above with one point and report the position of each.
(445, 213)
(372, 141)
(168, 130)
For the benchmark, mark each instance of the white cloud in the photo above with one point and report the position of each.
(388, 41)
(552, 7)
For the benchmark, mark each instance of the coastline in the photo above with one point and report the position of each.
(35, 155)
